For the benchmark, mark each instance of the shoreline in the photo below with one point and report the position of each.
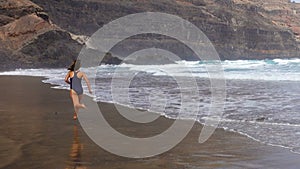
(197, 121)
(219, 128)
(47, 132)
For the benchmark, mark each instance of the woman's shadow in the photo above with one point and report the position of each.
(75, 159)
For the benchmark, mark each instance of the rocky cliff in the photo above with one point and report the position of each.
(41, 33)
(239, 29)
(28, 38)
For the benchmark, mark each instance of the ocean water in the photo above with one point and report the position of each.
(262, 96)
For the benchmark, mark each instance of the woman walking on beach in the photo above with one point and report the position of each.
(74, 78)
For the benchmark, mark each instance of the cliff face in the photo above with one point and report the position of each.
(28, 38)
(36, 34)
(239, 29)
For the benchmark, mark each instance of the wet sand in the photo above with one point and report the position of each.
(37, 131)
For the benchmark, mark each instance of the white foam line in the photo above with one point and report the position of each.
(261, 123)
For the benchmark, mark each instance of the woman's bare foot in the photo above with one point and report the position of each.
(82, 106)
(75, 116)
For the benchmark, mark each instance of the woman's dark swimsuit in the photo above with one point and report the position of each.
(75, 84)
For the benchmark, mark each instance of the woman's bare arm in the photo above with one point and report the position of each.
(67, 78)
(87, 82)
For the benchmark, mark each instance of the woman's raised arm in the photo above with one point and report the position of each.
(67, 78)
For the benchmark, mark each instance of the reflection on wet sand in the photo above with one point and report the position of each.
(75, 153)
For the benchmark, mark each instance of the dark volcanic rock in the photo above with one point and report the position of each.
(28, 39)
(18, 8)
(5, 20)
(33, 34)
(52, 49)
(110, 59)
(238, 29)
(89, 56)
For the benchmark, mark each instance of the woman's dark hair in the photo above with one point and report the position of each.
(74, 66)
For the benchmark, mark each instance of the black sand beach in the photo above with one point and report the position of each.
(38, 132)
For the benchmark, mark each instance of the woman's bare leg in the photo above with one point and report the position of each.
(76, 102)
(80, 98)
